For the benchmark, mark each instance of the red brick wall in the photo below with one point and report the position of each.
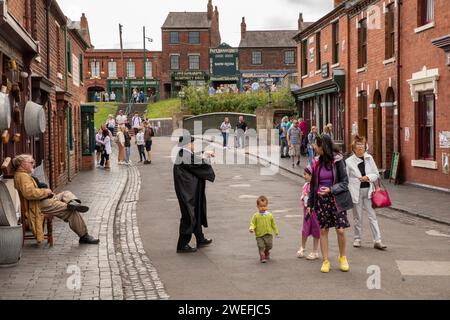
(417, 51)
(378, 76)
(271, 59)
(17, 9)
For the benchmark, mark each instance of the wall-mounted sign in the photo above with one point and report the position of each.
(407, 134)
(224, 61)
(445, 164)
(444, 139)
(325, 70)
(188, 75)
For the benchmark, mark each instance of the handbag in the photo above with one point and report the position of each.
(380, 196)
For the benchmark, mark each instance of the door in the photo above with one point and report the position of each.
(378, 134)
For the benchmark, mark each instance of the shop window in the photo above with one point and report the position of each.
(304, 57)
(390, 31)
(289, 57)
(256, 57)
(194, 62)
(426, 126)
(336, 42)
(362, 43)
(194, 37)
(174, 62)
(174, 37)
(425, 12)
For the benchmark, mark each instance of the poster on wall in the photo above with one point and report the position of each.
(445, 163)
(444, 139)
(407, 134)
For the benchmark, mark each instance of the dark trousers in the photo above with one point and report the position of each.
(184, 239)
(284, 147)
(141, 152)
(105, 157)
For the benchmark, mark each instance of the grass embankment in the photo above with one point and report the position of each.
(163, 108)
(103, 110)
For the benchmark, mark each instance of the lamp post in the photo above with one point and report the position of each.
(182, 95)
(145, 65)
(269, 83)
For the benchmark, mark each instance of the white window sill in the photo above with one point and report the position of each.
(389, 61)
(305, 76)
(335, 65)
(363, 69)
(59, 75)
(427, 164)
(424, 27)
(318, 72)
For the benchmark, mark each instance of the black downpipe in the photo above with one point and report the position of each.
(49, 110)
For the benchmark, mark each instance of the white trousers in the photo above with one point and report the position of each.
(365, 205)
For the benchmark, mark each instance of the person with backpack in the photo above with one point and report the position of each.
(148, 134)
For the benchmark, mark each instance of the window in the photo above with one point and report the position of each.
(335, 42)
(148, 69)
(362, 43)
(174, 37)
(194, 62)
(174, 62)
(256, 57)
(58, 49)
(390, 31)
(95, 69)
(289, 57)
(426, 126)
(81, 62)
(194, 37)
(319, 60)
(362, 115)
(304, 57)
(112, 69)
(131, 69)
(69, 57)
(425, 11)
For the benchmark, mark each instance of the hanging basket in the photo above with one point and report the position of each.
(5, 111)
(34, 118)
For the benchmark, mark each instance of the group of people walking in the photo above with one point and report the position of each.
(240, 130)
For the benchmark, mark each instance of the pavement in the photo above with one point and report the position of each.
(117, 268)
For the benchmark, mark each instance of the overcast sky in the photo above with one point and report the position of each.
(104, 17)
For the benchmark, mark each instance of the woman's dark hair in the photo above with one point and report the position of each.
(329, 149)
(105, 132)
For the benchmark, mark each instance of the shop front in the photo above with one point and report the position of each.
(255, 80)
(323, 103)
(224, 64)
(150, 86)
(87, 137)
(182, 79)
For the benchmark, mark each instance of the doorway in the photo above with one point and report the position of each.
(378, 128)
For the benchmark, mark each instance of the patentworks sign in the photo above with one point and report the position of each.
(224, 63)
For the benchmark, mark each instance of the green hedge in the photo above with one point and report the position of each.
(198, 101)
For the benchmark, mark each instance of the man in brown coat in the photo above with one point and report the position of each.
(42, 201)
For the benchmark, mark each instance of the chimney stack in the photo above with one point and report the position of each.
(300, 21)
(338, 2)
(83, 22)
(243, 28)
(210, 10)
(216, 13)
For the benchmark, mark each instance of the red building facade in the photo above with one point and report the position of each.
(186, 40)
(104, 71)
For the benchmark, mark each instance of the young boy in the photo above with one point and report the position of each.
(263, 225)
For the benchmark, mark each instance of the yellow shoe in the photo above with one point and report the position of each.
(325, 266)
(343, 263)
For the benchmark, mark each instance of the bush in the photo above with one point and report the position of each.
(198, 101)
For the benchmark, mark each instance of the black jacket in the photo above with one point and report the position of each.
(339, 189)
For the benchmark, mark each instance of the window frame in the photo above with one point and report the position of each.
(362, 43)
(423, 10)
(190, 38)
(69, 57)
(389, 31)
(260, 57)
(286, 52)
(131, 63)
(171, 62)
(171, 38)
(304, 51)
(319, 56)
(95, 66)
(81, 71)
(110, 63)
(190, 63)
(335, 39)
(148, 74)
(426, 132)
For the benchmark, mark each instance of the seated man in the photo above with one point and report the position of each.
(42, 201)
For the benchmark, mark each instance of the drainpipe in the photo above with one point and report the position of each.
(398, 76)
(49, 111)
(68, 108)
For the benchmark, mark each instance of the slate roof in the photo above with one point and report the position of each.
(270, 39)
(187, 20)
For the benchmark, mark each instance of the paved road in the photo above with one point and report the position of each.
(416, 265)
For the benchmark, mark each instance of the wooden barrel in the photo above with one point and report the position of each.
(10, 245)
(5, 111)
(34, 118)
(8, 215)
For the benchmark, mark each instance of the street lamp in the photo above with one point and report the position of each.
(145, 65)
(269, 83)
(182, 95)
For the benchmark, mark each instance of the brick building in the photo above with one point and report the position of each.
(324, 71)
(267, 54)
(103, 68)
(53, 81)
(425, 95)
(186, 40)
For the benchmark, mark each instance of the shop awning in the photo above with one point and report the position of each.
(14, 33)
(335, 84)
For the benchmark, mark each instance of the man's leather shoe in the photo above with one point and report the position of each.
(75, 206)
(88, 239)
(204, 242)
(186, 249)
